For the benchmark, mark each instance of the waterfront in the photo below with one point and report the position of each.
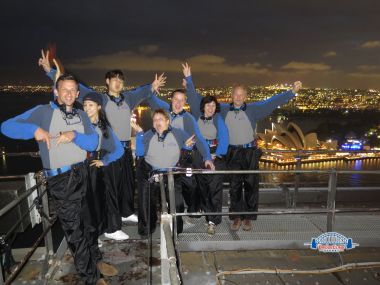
(18, 102)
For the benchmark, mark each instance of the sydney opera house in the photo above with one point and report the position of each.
(289, 144)
(292, 138)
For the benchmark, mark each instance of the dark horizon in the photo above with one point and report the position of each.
(324, 44)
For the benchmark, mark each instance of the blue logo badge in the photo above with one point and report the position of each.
(332, 242)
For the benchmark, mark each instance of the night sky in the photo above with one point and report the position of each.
(323, 43)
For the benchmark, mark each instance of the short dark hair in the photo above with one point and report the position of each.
(115, 73)
(183, 91)
(64, 77)
(162, 112)
(209, 99)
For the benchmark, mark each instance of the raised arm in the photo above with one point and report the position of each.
(155, 103)
(83, 89)
(193, 97)
(44, 62)
(135, 96)
(264, 108)
(140, 148)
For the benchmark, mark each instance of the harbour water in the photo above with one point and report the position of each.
(19, 102)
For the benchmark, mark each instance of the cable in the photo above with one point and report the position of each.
(348, 266)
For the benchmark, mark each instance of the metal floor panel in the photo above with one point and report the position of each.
(202, 267)
(278, 232)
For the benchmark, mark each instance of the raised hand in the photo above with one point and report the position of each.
(59, 71)
(297, 86)
(190, 141)
(158, 82)
(135, 126)
(42, 135)
(186, 69)
(44, 61)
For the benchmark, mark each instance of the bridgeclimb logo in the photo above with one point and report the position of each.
(331, 242)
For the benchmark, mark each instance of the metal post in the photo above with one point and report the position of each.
(296, 180)
(164, 206)
(171, 189)
(331, 200)
(45, 223)
(1, 273)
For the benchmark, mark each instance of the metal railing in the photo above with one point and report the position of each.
(41, 202)
(330, 211)
(170, 269)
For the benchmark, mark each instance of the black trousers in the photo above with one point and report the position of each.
(114, 181)
(96, 201)
(127, 198)
(211, 191)
(189, 184)
(68, 191)
(147, 198)
(147, 210)
(244, 159)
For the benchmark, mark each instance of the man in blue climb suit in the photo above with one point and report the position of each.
(243, 154)
(64, 135)
(183, 120)
(118, 106)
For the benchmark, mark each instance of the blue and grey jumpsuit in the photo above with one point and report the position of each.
(215, 132)
(66, 170)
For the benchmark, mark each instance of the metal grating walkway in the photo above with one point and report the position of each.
(278, 232)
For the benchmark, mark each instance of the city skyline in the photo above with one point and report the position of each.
(324, 44)
(306, 99)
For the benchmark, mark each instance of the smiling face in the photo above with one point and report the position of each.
(92, 110)
(67, 92)
(239, 94)
(210, 109)
(160, 122)
(178, 102)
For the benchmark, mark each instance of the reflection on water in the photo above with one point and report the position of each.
(310, 179)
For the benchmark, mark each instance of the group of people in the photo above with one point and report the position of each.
(84, 139)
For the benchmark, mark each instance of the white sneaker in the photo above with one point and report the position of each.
(118, 235)
(132, 218)
(100, 243)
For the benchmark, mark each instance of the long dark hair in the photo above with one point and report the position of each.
(103, 123)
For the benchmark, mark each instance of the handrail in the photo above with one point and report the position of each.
(17, 201)
(331, 198)
(190, 171)
(281, 212)
(19, 267)
(8, 177)
(29, 153)
(42, 197)
(16, 225)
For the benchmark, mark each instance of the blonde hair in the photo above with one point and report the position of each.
(239, 86)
